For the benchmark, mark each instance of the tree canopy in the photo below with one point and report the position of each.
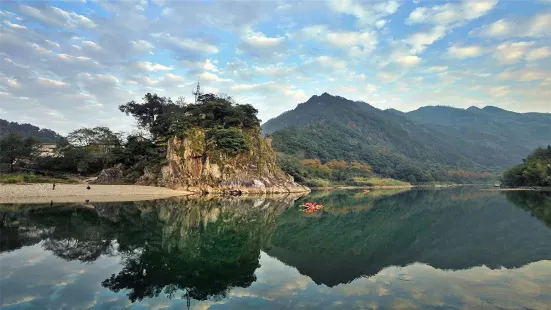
(14, 148)
(535, 170)
(163, 118)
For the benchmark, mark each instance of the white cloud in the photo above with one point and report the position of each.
(209, 76)
(538, 53)
(142, 46)
(186, 44)
(367, 13)
(387, 76)
(328, 62)
(408, 61)
(356, 42)
(512, 52)
(50, 82)
(454, 13)
(499, 91)
(91, 45)
(538, 25)
(261, 41)
(525, 74)
(57, 17)
(150, 67)
(51, 43)
(420, 40)
(444, 18)
(14, 26)
(436, 68)
(461, 52)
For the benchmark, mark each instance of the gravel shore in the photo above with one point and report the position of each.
(37, 193)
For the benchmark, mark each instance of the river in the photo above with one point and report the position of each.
(458, 248)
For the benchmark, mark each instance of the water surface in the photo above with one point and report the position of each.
(427, 249)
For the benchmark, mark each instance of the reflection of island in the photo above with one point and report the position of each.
(414, 226)
(201, 247)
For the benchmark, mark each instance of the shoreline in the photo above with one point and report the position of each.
(394, 186)
(515, 189)
(362, 187)
(38, 193)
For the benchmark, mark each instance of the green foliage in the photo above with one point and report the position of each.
(165, 119)
(534, 171)
(86, 151)
(334, 128)
(230, 141)
(314, 173)
(14, 149)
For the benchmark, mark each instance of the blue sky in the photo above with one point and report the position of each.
(69, 64)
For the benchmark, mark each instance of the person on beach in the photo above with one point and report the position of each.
(53, 187)
(88, 187)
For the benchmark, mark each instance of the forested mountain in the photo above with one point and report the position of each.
(27, 130)
(331, 127)
(509, 133)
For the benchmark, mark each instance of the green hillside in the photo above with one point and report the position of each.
(510, 135)
(335, 128)
(27, 130)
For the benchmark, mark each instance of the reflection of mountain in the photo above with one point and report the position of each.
(414, 226)
(202, 247)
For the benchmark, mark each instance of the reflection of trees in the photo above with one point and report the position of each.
(413, 226)
(537, 203)
(208, 262)
(200, 247)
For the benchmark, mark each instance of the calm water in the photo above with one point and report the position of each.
(446, 249)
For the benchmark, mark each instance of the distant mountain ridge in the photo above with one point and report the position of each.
(43, 135)
(515, 134)
(422, 143)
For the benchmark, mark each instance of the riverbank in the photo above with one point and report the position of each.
(40, 193)
(394, 186)
(513, 189)
(362, 187)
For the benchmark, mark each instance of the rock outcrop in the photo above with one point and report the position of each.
(111, 175)
(193, 165)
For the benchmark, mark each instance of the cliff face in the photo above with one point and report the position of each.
(194, 165)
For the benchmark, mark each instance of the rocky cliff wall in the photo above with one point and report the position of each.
(193, 165)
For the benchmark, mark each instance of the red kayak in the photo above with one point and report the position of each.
(310, 207)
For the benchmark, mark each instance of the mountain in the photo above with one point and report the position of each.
(394, 144)
(512, 134)
(27, 130)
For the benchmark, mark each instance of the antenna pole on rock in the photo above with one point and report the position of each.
(197, 93)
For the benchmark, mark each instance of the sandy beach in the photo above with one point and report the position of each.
(40, 193)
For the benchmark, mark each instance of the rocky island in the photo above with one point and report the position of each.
(211, 146)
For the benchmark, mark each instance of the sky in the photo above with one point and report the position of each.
(69, 64)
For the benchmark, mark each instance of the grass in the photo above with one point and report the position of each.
(357, 181)
(31, 178)
(377, 181)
